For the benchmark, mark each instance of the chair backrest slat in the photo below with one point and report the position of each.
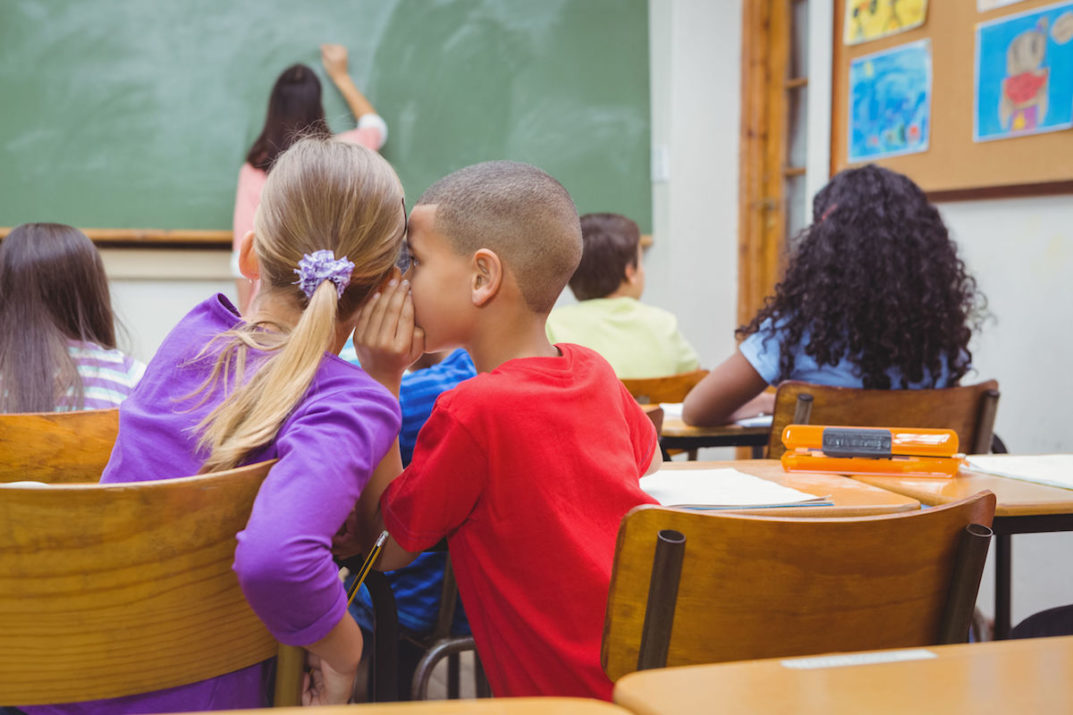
(764, 587)
(969, 410)
(670, 388)
(120, 589)
(56, 447)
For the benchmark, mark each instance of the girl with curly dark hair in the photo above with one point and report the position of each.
(874, 296)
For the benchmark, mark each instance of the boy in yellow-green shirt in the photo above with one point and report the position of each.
(638, 340)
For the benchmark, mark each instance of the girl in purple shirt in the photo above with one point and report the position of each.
(223, 392)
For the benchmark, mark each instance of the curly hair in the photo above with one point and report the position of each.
(877, 280)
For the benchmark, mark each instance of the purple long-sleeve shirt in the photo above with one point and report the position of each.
(327, 449)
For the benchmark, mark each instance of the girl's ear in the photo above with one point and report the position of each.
(487, 276)
(248, 264)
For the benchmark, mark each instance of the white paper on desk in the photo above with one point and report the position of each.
(721, 488)
(672, 410)
(1054, 470)
(758, 421)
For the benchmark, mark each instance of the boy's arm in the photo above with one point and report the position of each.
(387, 341)
(656, 462)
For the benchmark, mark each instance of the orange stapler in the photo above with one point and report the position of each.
(895, 451)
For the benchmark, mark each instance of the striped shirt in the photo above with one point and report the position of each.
(108, 376)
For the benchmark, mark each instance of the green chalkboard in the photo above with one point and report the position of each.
(138, 113)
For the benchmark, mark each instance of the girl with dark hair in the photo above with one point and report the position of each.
(294, 111)
(57, 332)
(875, 296)
(58, 345)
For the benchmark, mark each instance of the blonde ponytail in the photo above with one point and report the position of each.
(321, 195)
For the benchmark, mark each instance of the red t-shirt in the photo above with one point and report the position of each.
(528, 470)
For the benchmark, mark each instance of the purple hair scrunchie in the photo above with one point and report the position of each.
(320, 266)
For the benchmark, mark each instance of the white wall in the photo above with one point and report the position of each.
(695, 74)
(1021, 253)
(153, 288)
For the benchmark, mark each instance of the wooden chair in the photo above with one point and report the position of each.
(118, 589)
(441, 644)
(969, 411)
(672, 388)
(725, 586)
(56, 446)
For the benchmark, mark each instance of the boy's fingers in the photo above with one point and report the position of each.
(418, 343)
(396, 300)
(405, 328)
(365, 316)
(381, 314)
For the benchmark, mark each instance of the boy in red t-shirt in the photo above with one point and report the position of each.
(528, 468)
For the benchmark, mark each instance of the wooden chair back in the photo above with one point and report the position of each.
(763, 587)
(109, 590)
(969, 410)
(56, 447)
(671, 388)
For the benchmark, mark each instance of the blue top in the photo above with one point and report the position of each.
(418, 587)
(763, 349)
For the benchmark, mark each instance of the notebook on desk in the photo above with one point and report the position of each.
(1054, 470)
(723, 489)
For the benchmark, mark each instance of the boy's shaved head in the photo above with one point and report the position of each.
(518, 211)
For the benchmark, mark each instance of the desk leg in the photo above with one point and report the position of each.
(1003, 575)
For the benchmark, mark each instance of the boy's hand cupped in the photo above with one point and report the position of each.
(385, 337)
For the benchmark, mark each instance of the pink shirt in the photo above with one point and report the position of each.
(371, 132)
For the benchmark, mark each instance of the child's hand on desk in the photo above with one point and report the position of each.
(386, 339)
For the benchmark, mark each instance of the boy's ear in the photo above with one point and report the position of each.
(487, 276)
(631, 273)
(248, 264)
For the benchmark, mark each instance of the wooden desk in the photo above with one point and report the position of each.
(484, 706)
(1021, 676)
(1022, 508)
(676, 434)
(850, 497)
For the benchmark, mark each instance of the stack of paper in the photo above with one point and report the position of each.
(722, 489)
(673, 411)
(1054, 470)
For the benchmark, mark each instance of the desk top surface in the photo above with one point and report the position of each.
(850, 497)
(675, 427)
(1014, 497)
(1019, 676)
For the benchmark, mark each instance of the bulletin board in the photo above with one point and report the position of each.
(954, 166)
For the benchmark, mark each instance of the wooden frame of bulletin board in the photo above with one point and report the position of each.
(954, 167)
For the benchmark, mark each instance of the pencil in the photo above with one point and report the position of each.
(367, 566)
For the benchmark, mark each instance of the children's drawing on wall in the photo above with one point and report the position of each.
(985, 5)
(1024, 74)
(890, 102)
(871, 19)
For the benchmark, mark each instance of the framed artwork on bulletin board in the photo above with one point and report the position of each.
(996, 118)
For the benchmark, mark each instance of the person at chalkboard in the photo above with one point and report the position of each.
(874, 296)
(295, 110)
